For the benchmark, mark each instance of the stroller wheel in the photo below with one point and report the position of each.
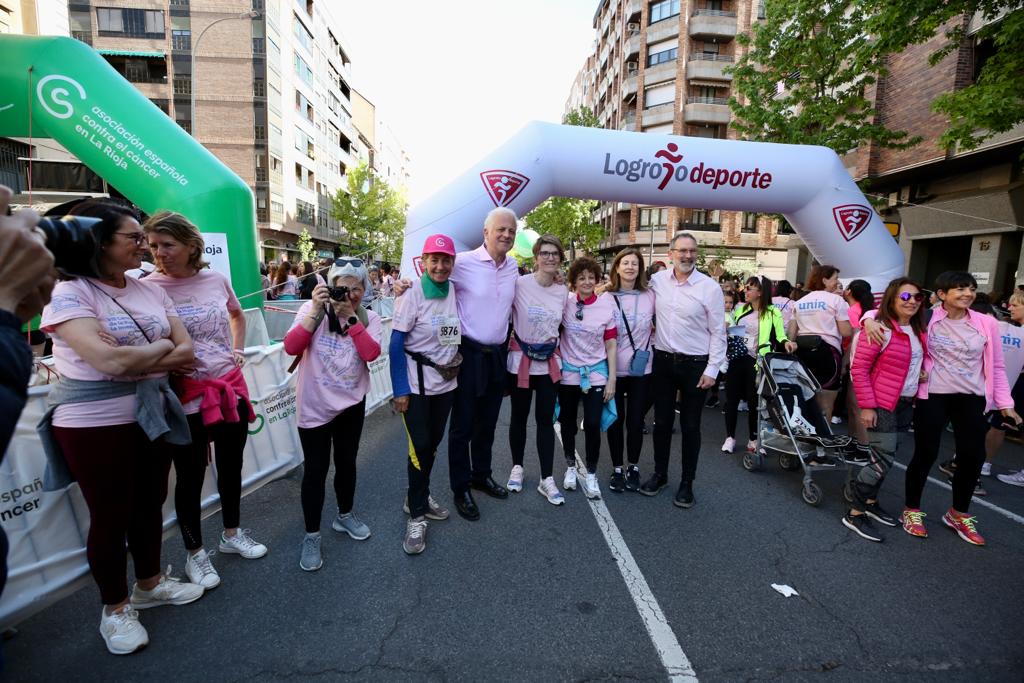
(789, 462)
(848, 492)
(751, 462)
(812, 494)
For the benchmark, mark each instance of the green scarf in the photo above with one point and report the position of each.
(432, 290)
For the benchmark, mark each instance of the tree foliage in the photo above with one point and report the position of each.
(305, 244)
(372, 213)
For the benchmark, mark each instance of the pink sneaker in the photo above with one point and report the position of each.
(913, 522)
(963, 525)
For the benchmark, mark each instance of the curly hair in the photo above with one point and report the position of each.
(581, 265)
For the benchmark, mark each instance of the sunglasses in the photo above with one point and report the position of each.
(579, 310)
(907, 296)
(354, 262)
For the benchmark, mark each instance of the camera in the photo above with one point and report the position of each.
(338, 293)
(71, 241)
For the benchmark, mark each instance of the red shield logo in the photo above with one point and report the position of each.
(851, 219)
(503, 186)
(417, 263)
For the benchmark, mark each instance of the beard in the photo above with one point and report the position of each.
(685, 267)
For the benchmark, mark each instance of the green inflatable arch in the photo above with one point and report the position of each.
(61, 88)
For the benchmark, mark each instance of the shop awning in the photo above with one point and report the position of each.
(710, 84)
(132, 53)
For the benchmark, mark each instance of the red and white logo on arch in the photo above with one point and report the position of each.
(503, 186)
(851, 219)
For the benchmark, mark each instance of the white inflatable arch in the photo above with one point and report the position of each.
(808, 185)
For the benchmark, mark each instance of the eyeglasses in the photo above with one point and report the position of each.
(354, 262)
(579, 309)
(907, 296)
(548, 254)
(137, 237)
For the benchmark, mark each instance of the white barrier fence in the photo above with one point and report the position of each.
(47, 530)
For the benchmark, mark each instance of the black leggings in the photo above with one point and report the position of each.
(425, 420)
(967, 413)
(632, 396)
(543, 415)
(740, 385)
(190, 472)
(593, 404)
(344, 431)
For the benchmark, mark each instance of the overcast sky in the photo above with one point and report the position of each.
(456, 78)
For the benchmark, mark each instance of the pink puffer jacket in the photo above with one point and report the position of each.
(878, 373)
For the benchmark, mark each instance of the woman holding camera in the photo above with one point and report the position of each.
(588, 350)
(336, 338)
(114, 341)
(215, 395)
(533, 366)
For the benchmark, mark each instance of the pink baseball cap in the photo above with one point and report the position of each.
(439, 244)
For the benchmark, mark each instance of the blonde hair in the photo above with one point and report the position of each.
(1017, 298)
(179, 228)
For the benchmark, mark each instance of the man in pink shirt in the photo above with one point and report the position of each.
(689, 343)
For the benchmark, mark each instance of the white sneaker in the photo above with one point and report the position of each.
(122, 631)
(515, 479)
(742, 407)
(836, 420)
(199, 570)
(1015, 479)
(729, 446)
(591, 488)
(986, 469)
(169, 591)
(549, 490)
(569, 483)
(242, 544)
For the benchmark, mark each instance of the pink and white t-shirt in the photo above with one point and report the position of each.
(582, 341)
(957, 350)
(203, 302)
(536, 316)
(432, 329)
(1013, 350)
(786, 306)
(638, 308)
(331, 375)
(88, 298)
(818, 313)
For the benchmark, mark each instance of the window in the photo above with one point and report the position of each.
(653, 219)
(303, 106)
(303, 36)
(182, 85)
(703, 219)
(749, 223)
(185, 124)
(259, 87)
(663, 93)
(304, 143)
(109, 19)
(662, 57)
(181, 39)
(305, 212)
(261, 131)
(310, 180)
(259, 46)
(302, 70)
(664, 10)
(138, 23)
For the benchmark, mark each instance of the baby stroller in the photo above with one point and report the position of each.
(790, 424)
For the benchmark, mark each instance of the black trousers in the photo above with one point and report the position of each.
(740, 385)
(228, 439)
(569, 398)
(475, 415)
(967, 413)
(671, 376)
(631, 400)
(544, 416)
(344, 432)
(425, 421)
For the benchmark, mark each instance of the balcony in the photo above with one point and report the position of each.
(707, 110)
(629, 87)
(632, 51)
(628, 123)
(708, 66)
(632, 11)
(666, 71)
(707, 24)
(660, 114)
(663, 30)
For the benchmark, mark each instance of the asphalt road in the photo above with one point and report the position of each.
(534, 592)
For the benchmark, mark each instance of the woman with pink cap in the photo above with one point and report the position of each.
(426, 331)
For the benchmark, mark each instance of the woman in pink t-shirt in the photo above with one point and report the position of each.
(533, 367)
(215, 394)
(588, 351)
(331, 396)
(820, 322)
(106, 330)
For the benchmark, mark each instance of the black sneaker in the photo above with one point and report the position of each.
(862, 526)
(857, 454)
(654, 484)
(712, 401)
(617, 482)
(684, 496)
(633, 478)
(948, 467)
(875, 512)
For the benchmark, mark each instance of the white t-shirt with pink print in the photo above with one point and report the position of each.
(424, 320)
(638, 309)
(582, 342)
(536, 317)
(818, 312)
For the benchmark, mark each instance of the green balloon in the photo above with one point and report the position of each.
(523, 246)
(61, 88)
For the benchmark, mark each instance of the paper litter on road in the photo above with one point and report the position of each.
(786, 591)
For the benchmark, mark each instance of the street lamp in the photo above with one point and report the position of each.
(252, 14)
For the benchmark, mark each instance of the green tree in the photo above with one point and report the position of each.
(570, 220)
(372, 214)
(305, 245)
(994, 103)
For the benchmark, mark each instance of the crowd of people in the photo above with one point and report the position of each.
(151, 376)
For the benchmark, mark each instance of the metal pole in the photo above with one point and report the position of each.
(195, 48)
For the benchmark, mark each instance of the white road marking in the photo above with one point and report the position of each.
(675, 661)
(984, 503)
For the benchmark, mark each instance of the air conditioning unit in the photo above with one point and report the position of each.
(632, 67)
(633, 29)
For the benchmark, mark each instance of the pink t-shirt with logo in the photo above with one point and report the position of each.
(1013, 350)
(430, 326)
(638, 308)
(786, 306)
(582, 341)
(818, 313)
(88, 298)
(536, 316)
(203, 302)
(332, 376)
(957, 350)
